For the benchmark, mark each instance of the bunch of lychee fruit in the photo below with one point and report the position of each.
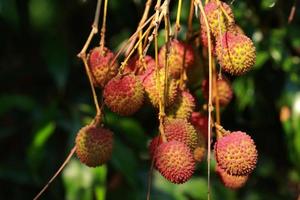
(182, 142)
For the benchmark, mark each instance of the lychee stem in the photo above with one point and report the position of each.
(177, 25)
(210, 107)
(220, 130)
(216, 93)
(57, 173)
(224, 12)
(103, 29)
(190, 22)
(150, 178)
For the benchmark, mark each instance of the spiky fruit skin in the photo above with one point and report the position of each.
(138, 66)
(181, 56)
(174, 161)
(236, 53)
(124, 94)
(94, 145)
(230, 181)
(236, 153)
(152, 88)
(181, 130)
(183, 106)
(224, 90)
(100, 63)
(155, 142)
(216, 19)
(200, 122)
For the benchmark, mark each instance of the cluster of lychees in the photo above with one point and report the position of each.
(183, 140)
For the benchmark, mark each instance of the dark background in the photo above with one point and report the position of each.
(45, 98)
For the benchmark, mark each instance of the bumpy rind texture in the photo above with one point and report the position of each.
(181, 56)
(150, 84)
(124, 94)
(181, 130)
(174, 161)
(200, 122)
(217, 21)
(94, 145)
(224, 90)
(139, 66)
(230, 181)
(100, 63)
(183, 106)
(155, 142)
(236, 53)
(236, 153)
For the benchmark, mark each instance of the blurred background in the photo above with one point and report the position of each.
(45, 98)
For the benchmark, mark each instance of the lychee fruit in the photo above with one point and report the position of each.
(200, 122)
(101, 66)
(181, 130)
(174, 161)
(150, 83)
(138, 66)
(199, 153)
(236, 53)
(155, 142)
(217, 20)
(231, 181)
(223, 88)
(124, 94)
(236, 153)
(183, 106)
(181, 55)
(94, 145)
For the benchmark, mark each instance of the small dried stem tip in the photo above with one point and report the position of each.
(222, 132)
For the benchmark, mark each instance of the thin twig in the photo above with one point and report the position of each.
(177, 25)
(57, 173)
(292, 12)
(103, 29)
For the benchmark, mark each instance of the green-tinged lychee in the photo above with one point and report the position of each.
(235, 53)
(236, 153)
(181, 130)
(216, 18)
(94, 145)
(183, 106)
(174, 161)
(150, 83)
(102, 68)
(124, 94)
(181, 55)
(138, 66)
(224, 91)
(230, 181)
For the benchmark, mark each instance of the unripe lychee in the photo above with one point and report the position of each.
(236, 153)
(94, 145)
(150, 83)
(223, 88)
(124, 94)
(174, 161)
(200, 122)
(217, 20)
(138, 66)
(181, 55)
(181, 130)
(183, 106)
(230, 181)
(235, 53)
(102, 68)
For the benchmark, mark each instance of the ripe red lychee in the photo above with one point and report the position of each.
(138, 66)
(181, 55)
(230, 181)
(174, 161)
(200, 122)
(124, 94)
(155, 142)
(94, 145)
(102, 68)
(223, 88)
(216, 18)
(150, 83)
(183, 106)
(236, 153)
(235, 53)
(181, 130)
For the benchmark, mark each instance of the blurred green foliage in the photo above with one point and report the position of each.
(45, 98)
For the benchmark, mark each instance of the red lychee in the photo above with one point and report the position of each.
(138, 66)
(94, 145)
(174, 161)
(124, 94)
(102, 68)
(230, 181)
(200, 122)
